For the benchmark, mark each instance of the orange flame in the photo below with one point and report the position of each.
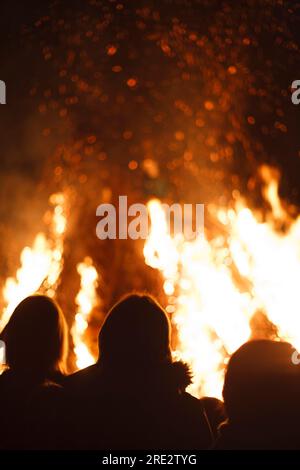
(210, 309)
(41, 264)
(86, 300)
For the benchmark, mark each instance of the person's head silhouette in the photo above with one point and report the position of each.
(261, 387)
(136, 332)
(36, 338)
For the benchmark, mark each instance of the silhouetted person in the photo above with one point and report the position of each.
(261, 396)
(134, 397)
(36, 347)
(215, 412)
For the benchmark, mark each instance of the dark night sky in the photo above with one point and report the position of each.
(272, 67)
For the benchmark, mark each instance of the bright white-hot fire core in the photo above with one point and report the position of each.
(214, 287)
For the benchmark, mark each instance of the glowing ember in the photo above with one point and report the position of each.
(86, 300)
(214, 287)
(41, 264)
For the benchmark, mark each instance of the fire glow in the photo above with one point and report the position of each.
(41, 264)
(205, 283)
(86, 300)
(214, 285)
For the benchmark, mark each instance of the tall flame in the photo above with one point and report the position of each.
(86, 300)
(41, 264)
(210, 308)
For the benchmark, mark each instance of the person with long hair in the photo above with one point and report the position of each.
(36, 344)
(134, 397)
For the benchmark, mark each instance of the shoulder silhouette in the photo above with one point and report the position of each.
(134, 397)
(261, 396)
(36, 347)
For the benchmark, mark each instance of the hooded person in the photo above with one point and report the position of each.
(261, 397)
(134, 397)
